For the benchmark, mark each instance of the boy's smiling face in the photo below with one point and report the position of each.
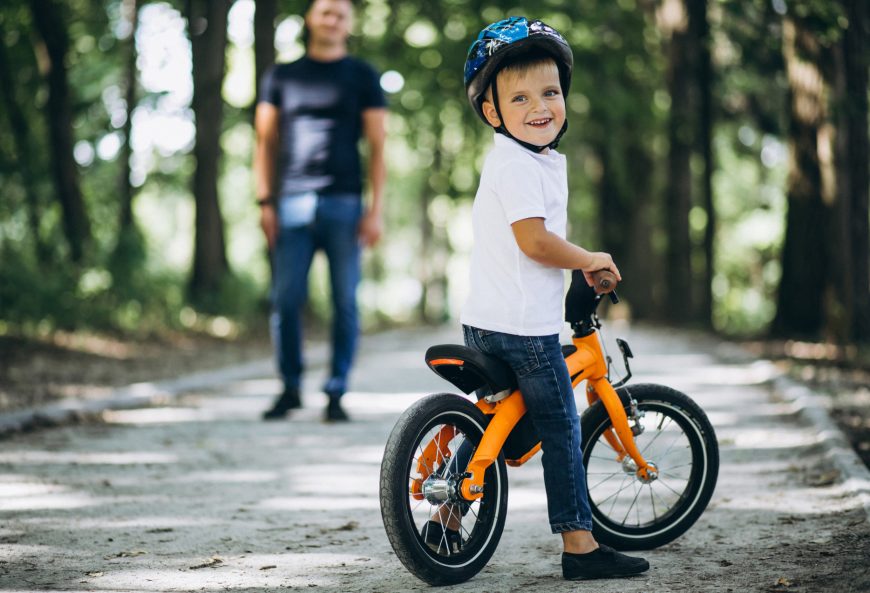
(531, 102)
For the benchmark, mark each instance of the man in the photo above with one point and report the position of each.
(309, 118)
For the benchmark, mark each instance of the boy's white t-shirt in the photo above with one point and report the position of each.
(509, 292)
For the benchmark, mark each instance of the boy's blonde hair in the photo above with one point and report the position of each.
(522, 65)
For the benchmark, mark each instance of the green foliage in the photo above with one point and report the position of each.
(616, 148)
(122, 294)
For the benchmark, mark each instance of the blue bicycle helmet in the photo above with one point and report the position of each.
(507, 40)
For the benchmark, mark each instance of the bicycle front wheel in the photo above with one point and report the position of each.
(439, 537)
(674, 435)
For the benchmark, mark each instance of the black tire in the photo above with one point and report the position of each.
(679, 439)
(482, 521)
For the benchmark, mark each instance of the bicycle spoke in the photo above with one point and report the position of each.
(660, 481)
(604, 480)
(662, 500)
(610, 459)
(473, 513)
(438, 446)
(673, 467)
(671, 446)
(418, 504)
(637, 508)
(658, 434)
(421, 458)
(631, 506)
(617, 493)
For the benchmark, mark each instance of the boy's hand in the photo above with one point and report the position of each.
(599, 260)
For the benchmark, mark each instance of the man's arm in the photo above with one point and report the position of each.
(549, 249)
(374, 129)
(266, 121)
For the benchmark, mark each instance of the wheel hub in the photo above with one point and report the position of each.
(650, 475)
(439, 490)
(630, 467)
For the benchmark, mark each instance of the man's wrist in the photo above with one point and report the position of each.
(375, 207)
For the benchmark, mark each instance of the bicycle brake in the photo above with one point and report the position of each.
(634, 415)
(626, 354)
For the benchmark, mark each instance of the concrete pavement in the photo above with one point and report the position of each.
(200, 495)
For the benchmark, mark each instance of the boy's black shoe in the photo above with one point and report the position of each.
(334, 411)
(603, 563)
(440, 539)
(289, 400)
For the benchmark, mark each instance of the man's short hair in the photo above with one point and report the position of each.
(310, 3)
(305, 34)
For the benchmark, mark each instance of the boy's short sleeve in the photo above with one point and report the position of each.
(520, 191)
(270, 91)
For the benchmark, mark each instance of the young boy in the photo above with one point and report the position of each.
(516, 75)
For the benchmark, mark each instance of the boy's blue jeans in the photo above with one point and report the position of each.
(546, 387)
(308, 222)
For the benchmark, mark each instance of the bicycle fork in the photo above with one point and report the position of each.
(588, 363)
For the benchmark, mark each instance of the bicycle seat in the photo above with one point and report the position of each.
(471, 370)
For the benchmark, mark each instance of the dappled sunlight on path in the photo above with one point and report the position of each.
(202, 495)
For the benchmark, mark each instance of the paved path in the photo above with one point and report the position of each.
(200, 495)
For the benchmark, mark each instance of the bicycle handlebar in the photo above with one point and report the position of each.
(582, 300)
(605, 283)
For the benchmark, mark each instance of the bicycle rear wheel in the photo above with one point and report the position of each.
(424, 461)
(678, 439)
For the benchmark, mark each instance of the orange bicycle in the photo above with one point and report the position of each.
(650, 453)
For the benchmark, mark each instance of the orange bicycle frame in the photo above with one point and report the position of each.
(587, 363)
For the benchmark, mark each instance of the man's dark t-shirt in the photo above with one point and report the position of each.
(321, 107)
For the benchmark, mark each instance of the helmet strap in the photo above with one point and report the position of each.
(501, 129)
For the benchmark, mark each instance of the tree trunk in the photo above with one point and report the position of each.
(58, 112)
(855, 160)
(21, 136)
(841, 304)
(682, 50)
(699, 23)
(130, 8)
(624, 223)
(639, 250)
(264, 39)
(805, 253)
(429, 273)
(207, 27)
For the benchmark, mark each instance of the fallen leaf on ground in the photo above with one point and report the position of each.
(210, 563)
(126, 554)
(825, 479)
(268, 566)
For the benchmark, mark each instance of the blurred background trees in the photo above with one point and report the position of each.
(719, 149)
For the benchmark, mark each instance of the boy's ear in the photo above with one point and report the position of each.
(490, 113)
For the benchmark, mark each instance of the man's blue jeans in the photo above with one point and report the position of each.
(307, 223)
(546, 387)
